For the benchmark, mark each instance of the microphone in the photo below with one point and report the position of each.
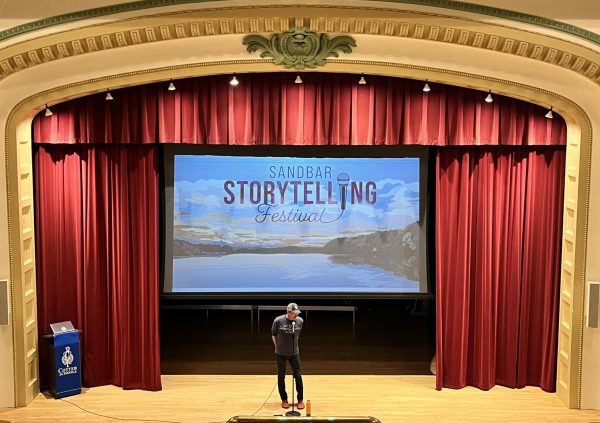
(293, 327)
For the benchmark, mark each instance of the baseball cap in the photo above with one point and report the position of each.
(293, 307)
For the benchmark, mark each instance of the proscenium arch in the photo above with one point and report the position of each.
(401, 63)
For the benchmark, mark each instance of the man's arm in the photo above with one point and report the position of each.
(274, 330)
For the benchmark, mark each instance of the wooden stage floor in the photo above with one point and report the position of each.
(214, 398)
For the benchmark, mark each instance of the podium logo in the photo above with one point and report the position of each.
(67, 357)
(67, 360)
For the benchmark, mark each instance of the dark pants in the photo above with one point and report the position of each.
(295, 363)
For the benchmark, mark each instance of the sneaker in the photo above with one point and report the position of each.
(285, 404)
(300, 405)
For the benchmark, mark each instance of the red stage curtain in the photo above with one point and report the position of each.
(498, 245)
(97, 254)
(498, 216)
(326, 109)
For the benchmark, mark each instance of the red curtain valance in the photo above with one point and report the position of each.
(327, 109)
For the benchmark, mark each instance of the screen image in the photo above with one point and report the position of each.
(245, 224)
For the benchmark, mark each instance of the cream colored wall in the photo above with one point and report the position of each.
(6, 337)
(13, 13)
(398, 56)
(590, 393)
(582, 13)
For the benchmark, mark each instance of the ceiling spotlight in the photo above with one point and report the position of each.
(549, 115)
(108, 95)
(426, 87)
(362, 80)
(298, 79)
(234, 82)
(489, 98)
(48, 111)
(171, 86)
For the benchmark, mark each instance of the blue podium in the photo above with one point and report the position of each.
(65, 360)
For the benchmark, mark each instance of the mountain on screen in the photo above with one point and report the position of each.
(395, 250)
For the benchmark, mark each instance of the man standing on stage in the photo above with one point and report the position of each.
(285, 333)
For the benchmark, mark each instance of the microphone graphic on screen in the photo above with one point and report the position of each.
(293, 327)
(343, 180)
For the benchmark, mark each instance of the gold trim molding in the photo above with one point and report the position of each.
(382, 22)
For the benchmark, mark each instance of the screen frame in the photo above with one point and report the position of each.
(426, 194)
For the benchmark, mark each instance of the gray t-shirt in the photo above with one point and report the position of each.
(282, 329)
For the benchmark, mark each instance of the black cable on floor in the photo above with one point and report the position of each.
(263, 404)
(119, 418)
(154, 420)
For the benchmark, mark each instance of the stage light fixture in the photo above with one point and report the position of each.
(108, 95)
(426, 87)
(489, 98)
(549, 115)
(234, 82)
(298, 79)
(171, 86)
(362, 80)
(48, 111)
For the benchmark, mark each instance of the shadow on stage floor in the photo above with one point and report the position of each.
(385, 340)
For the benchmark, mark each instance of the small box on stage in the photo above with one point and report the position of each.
(65, 362)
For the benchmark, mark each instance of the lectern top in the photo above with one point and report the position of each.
(61, 327)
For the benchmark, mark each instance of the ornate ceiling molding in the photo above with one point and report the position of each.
(445, 4)
(406, 24)
(299, 48)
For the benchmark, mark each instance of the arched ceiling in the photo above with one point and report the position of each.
(580, 13)
(137, 24)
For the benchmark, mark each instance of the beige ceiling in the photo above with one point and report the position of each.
(582, 13)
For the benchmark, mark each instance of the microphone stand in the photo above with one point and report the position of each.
(293, 413)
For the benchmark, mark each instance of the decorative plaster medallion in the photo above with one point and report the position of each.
(299, 48)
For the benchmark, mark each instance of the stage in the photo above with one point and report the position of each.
(213, 398)
(226, 344)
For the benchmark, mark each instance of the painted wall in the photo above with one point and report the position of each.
(6, 340)
(590, 392)
(582, 13)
